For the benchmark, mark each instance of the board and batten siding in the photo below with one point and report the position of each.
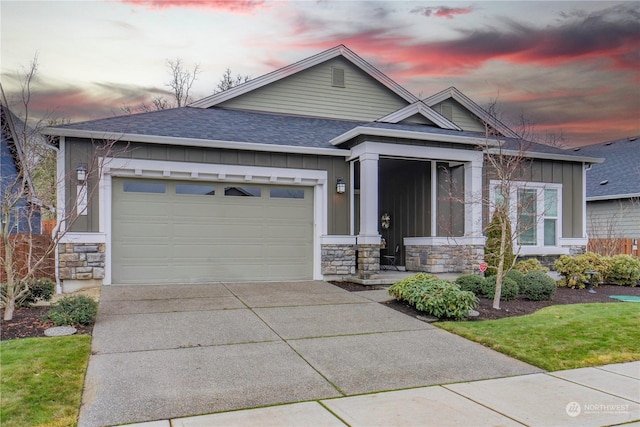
(610, 219)
(81, 151)
(311, 93)
(557, 172)
(452, 110)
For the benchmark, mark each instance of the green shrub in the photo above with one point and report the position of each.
(625, 270)
(436, 297)
(538, 286)
(492, 245)
(528, 265)
(76, 310)
(405, 288)
(470, 282)
(39, 290)
(509, 291)
(516, 276)
(573, 269)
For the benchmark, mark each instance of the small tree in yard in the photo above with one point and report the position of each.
(24, 254)
(506, 161)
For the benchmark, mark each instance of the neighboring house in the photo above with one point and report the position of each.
(613, 193)
(16, 190)
(287, 176)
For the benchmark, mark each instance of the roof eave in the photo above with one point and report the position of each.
(613, 197)
(395, 133)
(545, 156)
(195, 142)
(425, 111)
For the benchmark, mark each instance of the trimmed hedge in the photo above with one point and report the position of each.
(470, 282)
(538, 286)
(510, 289)
(438, 298)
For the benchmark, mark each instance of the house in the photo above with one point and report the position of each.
(613, 196)
(19, 207)
(287, 177)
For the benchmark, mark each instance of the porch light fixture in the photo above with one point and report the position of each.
(341, 186)
(81, 174)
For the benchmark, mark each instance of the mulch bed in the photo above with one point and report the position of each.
(27, 323)
(517, 307)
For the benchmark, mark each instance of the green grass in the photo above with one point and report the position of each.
(562, 336)
(42, 380)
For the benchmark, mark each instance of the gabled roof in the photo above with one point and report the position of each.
(299, 66)
(245, 130)
(472, 107)
(422, 109)
(619, 175)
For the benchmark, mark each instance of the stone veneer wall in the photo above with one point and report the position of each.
(81, 261)
(549, 260)
(368, 261)
(444, 259)
(339, 260)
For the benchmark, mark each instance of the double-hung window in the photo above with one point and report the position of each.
(534, 209)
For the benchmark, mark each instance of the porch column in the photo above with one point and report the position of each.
(473, 198)
(369, 238)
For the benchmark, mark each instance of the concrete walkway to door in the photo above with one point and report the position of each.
(162, 352)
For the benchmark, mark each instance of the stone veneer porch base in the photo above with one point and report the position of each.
(444, 258)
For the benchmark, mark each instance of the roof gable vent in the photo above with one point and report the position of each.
(337, 77)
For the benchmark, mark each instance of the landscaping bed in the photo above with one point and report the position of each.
(27, 323)
(518, 307)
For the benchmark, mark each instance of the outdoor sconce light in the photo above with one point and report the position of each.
(341, 186)
(81, 174)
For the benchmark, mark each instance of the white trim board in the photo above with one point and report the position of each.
(152, 169)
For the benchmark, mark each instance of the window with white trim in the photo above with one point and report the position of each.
(535, 211)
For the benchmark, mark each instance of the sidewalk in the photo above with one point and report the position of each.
(601, 396)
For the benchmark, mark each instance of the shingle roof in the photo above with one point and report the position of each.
(620, 170)
(219, 124)
(224, 125)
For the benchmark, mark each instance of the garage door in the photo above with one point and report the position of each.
(187, 232)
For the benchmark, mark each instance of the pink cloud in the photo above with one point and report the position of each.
(234, 6)
(607, 39)
(441, 11)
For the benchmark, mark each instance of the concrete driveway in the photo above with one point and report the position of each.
(162, 352)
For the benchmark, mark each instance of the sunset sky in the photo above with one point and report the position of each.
(566, 67)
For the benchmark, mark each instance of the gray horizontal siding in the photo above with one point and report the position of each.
(310, 93)
(608, 219)
(460, 115)
(81, 151)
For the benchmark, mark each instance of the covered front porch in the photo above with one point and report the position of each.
(419, 203)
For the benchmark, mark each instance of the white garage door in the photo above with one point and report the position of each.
(187, 232)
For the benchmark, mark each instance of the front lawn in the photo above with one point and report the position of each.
(563, 336)
(42, 380)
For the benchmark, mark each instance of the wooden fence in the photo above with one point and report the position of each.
(39, 245)
(48, 225)
(612, 247)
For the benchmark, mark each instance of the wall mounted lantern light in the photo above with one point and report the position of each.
(341, 186)
(81, 174)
